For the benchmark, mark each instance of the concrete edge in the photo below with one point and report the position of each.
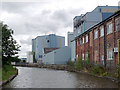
(2, 83)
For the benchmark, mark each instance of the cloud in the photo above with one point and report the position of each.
(32, 19)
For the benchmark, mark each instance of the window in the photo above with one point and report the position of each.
(117, 24)
(83, 40)
(102, 58)
(109, 28)
(82, 56)
(95, 34)
(110, 54)
(86, 38)
(86, 55)
(77, 42)
(80, 42)
(101, 32)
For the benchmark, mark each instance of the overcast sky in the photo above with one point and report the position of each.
(32, 18)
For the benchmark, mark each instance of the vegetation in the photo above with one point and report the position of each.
(8, 51)
(118, 72)
(9, 45)
(87, 66)
(116, 11)
(7, 71)
(79, 64)
(70, 63)
(98, 70)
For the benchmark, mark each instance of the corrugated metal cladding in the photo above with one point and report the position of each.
(46, 41)
(59, 56)
(84, 22)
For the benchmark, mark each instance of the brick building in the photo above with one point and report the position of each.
(99, 43)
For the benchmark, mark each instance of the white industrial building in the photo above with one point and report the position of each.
(71, 44)
(30, 57)
(59, 56)
(44, 44)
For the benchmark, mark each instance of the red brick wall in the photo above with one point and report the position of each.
(95, 47)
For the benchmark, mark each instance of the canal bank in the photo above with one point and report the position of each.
(9, 78)
(70, 69)
(29, 77)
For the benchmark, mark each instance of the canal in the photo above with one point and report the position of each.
(48, 78)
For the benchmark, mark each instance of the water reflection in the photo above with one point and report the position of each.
(47, 78)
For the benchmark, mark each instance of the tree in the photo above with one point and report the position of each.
(9, 45)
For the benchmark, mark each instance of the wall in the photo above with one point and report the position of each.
(62, 55)
(98, 48)
(29, 57)
(48, 58)
(46, 41)
(59, 56)
(88, 20)
(73, 50)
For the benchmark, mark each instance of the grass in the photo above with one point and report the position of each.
(6, 72)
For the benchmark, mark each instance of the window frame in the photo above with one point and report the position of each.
(110, 54)
(109, 28)
(102, 57)
(86, 55)
(86, 39)
(102, 33)
(83, 56)
(95, 34)
(83, 40)
(117, 24)
(79, 42)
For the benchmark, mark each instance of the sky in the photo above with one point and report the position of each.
(32, 18)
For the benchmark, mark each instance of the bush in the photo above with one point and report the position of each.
(99, 70)
(70, 63)
(79, 64)
(118, 72)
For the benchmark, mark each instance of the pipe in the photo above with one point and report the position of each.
(118, 52)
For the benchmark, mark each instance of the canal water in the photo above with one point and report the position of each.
(48, 78)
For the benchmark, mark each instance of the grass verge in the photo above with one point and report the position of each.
(7, 71)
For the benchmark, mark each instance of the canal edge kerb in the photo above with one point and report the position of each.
(2, 83)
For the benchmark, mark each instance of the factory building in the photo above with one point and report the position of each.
(101, 42)
(59, 56)
(71, 44)
(85, 21)
(44, 44)
(30, 57)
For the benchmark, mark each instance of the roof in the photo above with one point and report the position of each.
(115, 14)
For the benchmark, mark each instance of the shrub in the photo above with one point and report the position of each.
(70, 63)
(99, 70)
(79, 64)
(105, 74)
(118, 72)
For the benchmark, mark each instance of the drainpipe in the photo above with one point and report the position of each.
(118, 52)
(105, 53)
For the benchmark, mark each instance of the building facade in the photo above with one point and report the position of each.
(71, 44)
(59, 56)
(100, 42)
(46, 43)
(30, 57)
(85, 21)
